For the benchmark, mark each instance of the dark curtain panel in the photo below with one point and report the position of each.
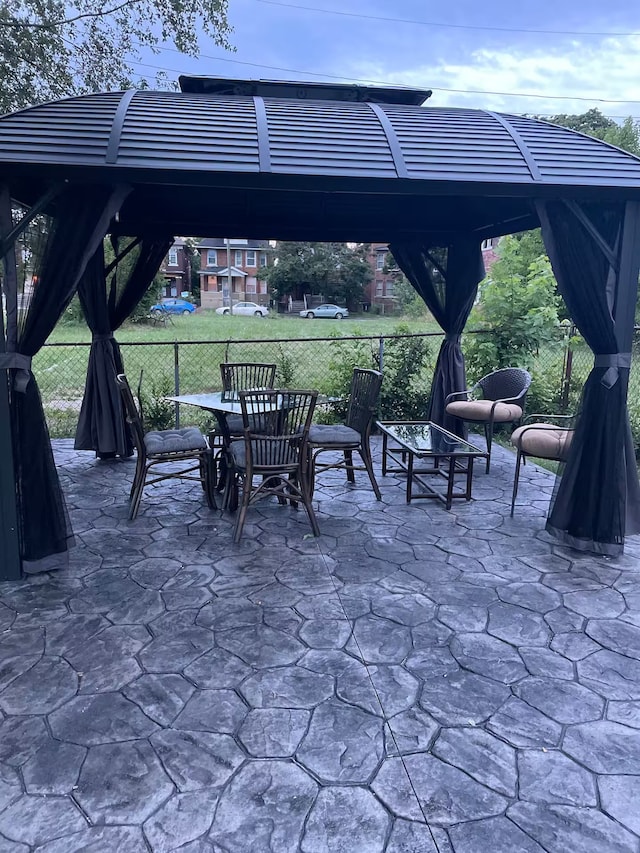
(590, 509)
(108, 296)
(68, 239)
(448, 283)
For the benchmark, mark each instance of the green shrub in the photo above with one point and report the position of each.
(158, 412)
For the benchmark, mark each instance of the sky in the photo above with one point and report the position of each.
(544, 57)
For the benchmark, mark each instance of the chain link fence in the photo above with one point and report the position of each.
(183, 367)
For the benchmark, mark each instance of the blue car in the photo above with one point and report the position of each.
(173, 306)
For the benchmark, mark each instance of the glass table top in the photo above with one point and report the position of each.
(426, 439)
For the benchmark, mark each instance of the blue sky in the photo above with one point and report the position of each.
(588, 56)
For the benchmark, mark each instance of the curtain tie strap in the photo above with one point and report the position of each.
(452, 338)
(20, 363)
(106, 337)
(613, 361)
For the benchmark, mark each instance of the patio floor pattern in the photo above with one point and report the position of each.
(413, 681)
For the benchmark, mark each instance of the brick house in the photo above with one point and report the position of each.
(176, 269)
(379, 291)
(246, 258)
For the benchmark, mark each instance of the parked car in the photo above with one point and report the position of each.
(244, 309)
(173, 306)
(334, 312)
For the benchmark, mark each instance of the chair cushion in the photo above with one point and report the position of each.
(234, 424)
(480, 410)
(547, 441)
(261, 454)
(174, 440)
(333, 434)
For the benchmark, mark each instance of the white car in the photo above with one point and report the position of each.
(335, 312)
(244, 309)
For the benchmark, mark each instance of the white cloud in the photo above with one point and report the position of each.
(607, 70)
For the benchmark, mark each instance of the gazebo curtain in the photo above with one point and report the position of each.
(449, 287)
(80, 220)
(108, 296)
(595, 262)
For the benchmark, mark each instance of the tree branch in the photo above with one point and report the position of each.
(46, 25)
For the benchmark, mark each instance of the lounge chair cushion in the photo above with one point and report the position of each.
(338, 434)
(174, 440)
(480, 410)
(547, 441)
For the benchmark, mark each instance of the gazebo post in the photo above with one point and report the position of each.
(10, 563)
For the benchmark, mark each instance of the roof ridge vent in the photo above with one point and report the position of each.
(294, 90)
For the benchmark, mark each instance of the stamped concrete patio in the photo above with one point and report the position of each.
(413, 681)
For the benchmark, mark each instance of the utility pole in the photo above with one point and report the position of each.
(229, 276)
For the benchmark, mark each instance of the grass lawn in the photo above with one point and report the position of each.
(209, 326)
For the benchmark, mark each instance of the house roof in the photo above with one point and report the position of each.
(221, 243)
(214, 161)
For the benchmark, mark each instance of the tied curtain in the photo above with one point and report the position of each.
(594, 252)
(448, 286)
(108, 294)
(68, 238)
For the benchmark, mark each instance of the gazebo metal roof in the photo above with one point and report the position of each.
(300, 161)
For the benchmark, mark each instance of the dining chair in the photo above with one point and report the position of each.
(352, 436)
(157, 449)
(503, 394)
(242, 376)
(542, 440)
(272, 458)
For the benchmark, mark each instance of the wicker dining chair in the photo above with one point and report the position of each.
(243, 376)
(157, 448)
(352, 436)
(503, 397)
(274, 450)
(540, 438)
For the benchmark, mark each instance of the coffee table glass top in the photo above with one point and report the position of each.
(423, 438)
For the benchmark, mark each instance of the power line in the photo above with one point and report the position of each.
(441, 25)
(386, 83)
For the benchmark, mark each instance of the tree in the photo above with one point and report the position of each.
(520, 309)
(336, 270)
(594, 123)
(50, 49)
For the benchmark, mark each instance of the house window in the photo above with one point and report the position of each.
(389, 288)
(238, 258)
(378, 288)
(251, 287)
(212, 258)
(251, 258)
(487, 244)
(380, 260)
(263, 259)
(172, 258)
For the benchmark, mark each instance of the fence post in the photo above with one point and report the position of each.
(176, 379)
(381, 354)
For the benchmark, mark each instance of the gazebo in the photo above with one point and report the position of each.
(302, 161)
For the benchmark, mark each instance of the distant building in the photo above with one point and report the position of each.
(246, 258)
(176, 269)
(379, 291)
(489, 252)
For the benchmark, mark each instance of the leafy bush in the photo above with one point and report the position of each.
(158, 412)
(520, 312)
(405, 386)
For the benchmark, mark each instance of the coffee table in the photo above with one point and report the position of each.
(405, 441)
